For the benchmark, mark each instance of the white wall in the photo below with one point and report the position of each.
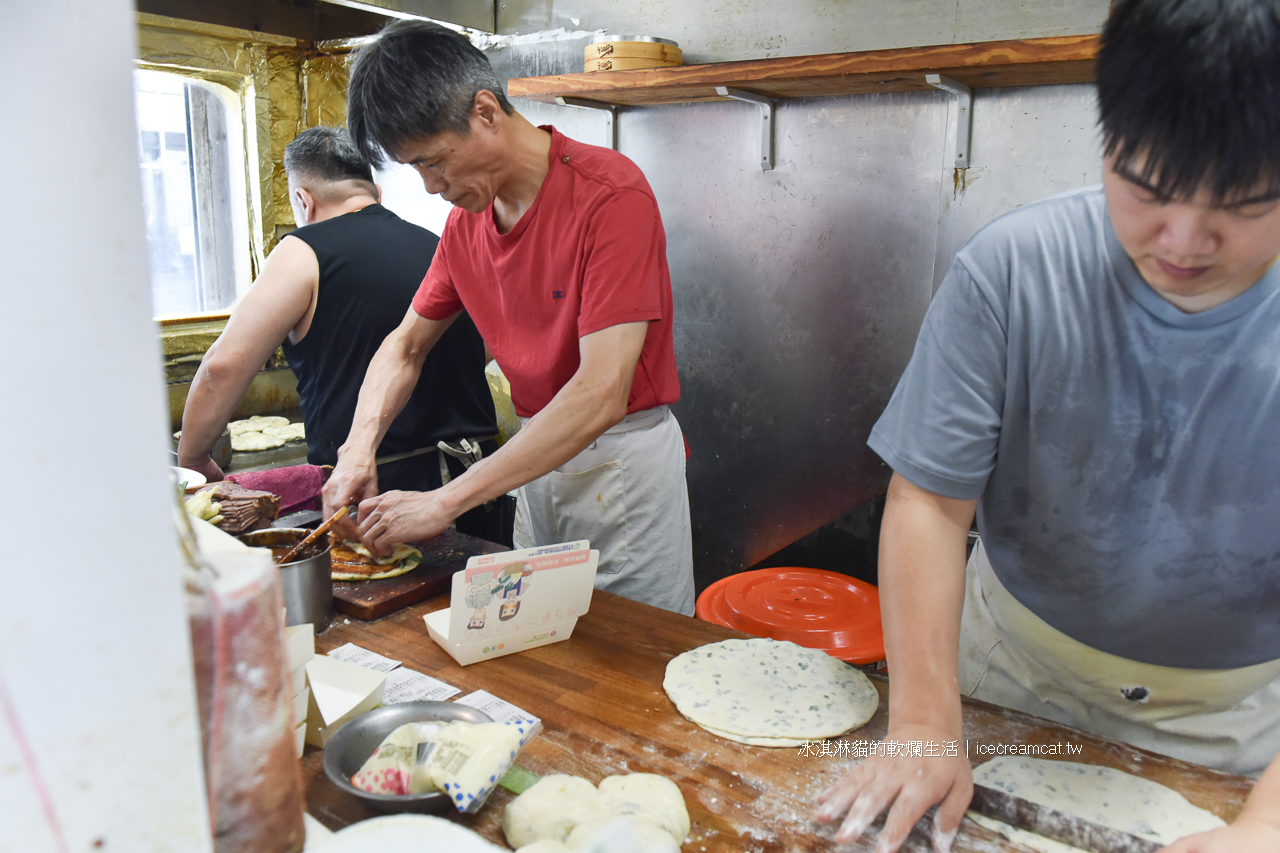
(99, 745)
(404, 195)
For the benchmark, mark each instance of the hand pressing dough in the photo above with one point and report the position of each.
(550, 809)
(1099, 794)
(648, 797)
(769, 691)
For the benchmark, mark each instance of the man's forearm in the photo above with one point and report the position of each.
(922, 568)
(215, 392)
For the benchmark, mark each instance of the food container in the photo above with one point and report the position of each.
(622, 53)
(307, 582)
(813, 608)
(351, 747)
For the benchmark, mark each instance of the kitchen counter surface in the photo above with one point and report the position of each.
(599, 695)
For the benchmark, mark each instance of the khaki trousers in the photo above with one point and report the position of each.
(1227, 719)
(625, 493)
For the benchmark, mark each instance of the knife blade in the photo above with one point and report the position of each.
(1056, 825)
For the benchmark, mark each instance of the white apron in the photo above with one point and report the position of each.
(1227, 719)
(626, 493)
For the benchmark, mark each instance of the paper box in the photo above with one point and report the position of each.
(300, 735)
(340, 692)
(299, 684)
(300, 705)
(518, 600)
(300, 642)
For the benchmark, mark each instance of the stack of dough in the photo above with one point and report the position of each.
(769, 693)
(1099, 794)
(264, 432)
(560, 813)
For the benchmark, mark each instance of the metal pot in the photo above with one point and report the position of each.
(307, 582)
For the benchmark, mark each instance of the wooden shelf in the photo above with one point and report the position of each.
(1026, 62)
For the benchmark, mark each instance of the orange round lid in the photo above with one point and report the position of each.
(810, 607)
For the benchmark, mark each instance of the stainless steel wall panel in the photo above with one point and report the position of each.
(799, 292)
(1028, 143)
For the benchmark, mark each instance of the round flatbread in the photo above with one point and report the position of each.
(767, 689)
(351, 561)
(260, 421)
(288, 432)
(252, 441)
(774, 742)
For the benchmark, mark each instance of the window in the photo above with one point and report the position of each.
(191, 151)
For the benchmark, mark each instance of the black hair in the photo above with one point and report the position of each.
(1192, 88)
(416, 79)
(326, 155)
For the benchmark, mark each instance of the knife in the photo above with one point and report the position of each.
(1056, 825)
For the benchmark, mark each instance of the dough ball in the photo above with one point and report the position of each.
(648, 797)
(550, 809)
(621, 833)
(546, 845)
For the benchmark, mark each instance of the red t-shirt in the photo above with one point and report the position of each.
(590, 253)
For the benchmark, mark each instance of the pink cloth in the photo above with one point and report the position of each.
(297, 486)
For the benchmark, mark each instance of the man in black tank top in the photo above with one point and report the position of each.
(330, 292)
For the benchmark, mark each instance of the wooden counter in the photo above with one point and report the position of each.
(600, 698)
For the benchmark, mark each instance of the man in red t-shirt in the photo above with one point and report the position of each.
(557, 252)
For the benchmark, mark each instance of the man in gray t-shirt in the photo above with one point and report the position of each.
(1124, 453)
(1099, 378)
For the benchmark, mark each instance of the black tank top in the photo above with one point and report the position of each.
(371, 263)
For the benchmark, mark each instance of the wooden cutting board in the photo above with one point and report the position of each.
(441, 557)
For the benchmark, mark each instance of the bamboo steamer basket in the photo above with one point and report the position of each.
(624, 64)
(621, 53)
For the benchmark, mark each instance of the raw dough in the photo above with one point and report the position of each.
(757, 741)
(1100, 794)
(546, 845)
(550, 809)
(289, 432)
(618, 833)
(762, 688)
(648, 797)
(649, 810)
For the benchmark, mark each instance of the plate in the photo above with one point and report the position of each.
(409, 832)
(193, 479)
(352, 745)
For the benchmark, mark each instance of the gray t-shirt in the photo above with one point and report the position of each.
(1126, 455)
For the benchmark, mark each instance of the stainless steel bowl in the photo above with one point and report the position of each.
(351, 747)
(307, 583)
